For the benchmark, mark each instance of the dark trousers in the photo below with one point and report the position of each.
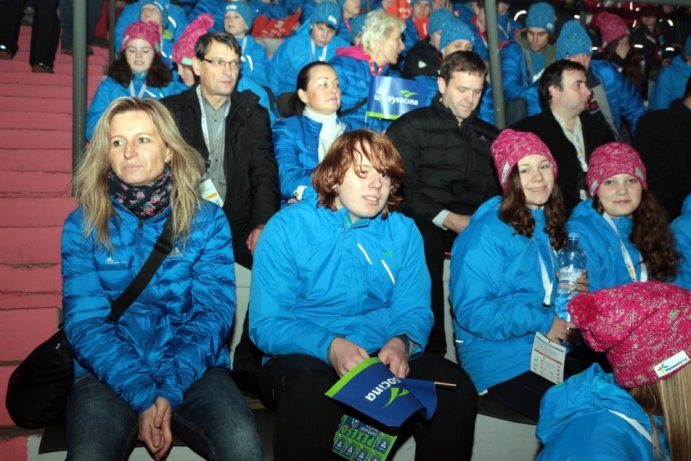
(306, 419)
(93, 14)
(436, 241)
(44, 32)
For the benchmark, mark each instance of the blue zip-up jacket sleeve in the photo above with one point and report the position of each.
(296, 144)
(515, 78)
(669, 84)
(623, 98)
(216, 8)
(255, 61)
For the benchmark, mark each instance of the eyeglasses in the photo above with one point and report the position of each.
(220, 63)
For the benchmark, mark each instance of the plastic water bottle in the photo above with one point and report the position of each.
(572, 260)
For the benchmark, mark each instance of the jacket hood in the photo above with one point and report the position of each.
(355, 52)
(490, 206)
(686, 207)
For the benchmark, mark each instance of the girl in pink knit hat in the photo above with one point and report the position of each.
(623, 229)
(617, 48)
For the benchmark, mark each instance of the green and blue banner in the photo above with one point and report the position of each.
(391, 97)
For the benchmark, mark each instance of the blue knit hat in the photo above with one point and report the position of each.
(356, 25)
(243, 9)
(327, 12)
(573, 40)
(438, 18)
(542, 16)
(455, 30)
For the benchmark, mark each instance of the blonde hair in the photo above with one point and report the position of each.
(378, 25)
(91, 178)
(670, 398)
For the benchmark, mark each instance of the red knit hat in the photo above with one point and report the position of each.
(644, 328)
(610, 160)
(148, 31)
(511, 146)
(611, 27)
(183, 50)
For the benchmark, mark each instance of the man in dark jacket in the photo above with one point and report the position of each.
(570, 132)
(449, 171)
(662, 139)
(232, 132)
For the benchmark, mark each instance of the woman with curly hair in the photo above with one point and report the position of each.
(504, 274)
(138, 71)
(622, 227)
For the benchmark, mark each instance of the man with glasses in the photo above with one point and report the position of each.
(232, 133)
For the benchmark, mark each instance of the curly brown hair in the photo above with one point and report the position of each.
(652, 237)
(514, 211)
(158, 74)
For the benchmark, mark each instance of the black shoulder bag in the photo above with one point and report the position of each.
(37, 389)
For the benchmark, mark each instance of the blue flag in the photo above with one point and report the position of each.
(391, 97)
(373, 390)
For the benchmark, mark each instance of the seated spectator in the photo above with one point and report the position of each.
(647, 39)
(419, 9)
(351, 10)
(356, 65)
(238, 22)
(170, 18)
(163, 368)
(138, 72)
(302, 140)
(622, 228)
(424, 58)
(681, 228)
(617, 49)
(671, 80)
(337, 278)
(507, 27)
(504, 275)
(641, 410)
(314, 41)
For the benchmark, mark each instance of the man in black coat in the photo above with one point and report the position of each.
(232, 132)
(662, 139)
(449, 171)
(567, 128)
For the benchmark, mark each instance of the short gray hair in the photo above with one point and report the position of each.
(378, 25)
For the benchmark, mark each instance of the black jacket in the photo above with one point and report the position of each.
(448, 165)
(570, 178)
(662, 139)
(252, 194)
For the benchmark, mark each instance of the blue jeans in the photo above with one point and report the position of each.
(213, 419)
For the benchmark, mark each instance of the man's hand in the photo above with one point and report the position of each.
(394, 355)
(154, 428)
(456, 222)
(344, 355)
(254, 238)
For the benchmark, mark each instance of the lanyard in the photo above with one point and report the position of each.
(141, 91)
(243, 44)
(313, 50)
(625, 253)
(371, 67)
(547, 282)
(205, 127)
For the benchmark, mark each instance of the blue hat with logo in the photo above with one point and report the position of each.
(573, 40)
(542, 16)
(438, 18)
(243, 9)
(455, 30)
(327, 12)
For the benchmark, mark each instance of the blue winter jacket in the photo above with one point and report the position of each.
(670, 84)
(681, 228)
(410, 36)
(317, 276)
(175, 330)
(109, 90)
(517, 74)
(173, 26)
(255, 62)
(293, 54)
(605, 263)
(576, 422)
(296, 145)
(497, 295)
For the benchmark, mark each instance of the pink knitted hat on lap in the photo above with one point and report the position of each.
(511, 146)
(612, 159)
(148, 31)
(644, 328)
(183, 50)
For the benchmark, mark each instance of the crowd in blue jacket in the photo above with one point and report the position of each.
(155, 347)
(670, 84)
(518, 79)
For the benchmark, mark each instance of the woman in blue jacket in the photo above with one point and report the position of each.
(622, 228)
(163, 368)
(503, 274)
(640, 412)
(138, 72)
(338, 277)
(302, 141)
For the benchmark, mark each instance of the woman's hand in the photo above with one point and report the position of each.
(394, 355)
(344, 355)
(560, 331)
(154, 428)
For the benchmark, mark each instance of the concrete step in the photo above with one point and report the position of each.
(39, 138)
(33, 245)
(45, 121)
(35, 212)
(25, 183)
(98, 58)
(17, 341)
(44, 91)
(30, 279)
(29, 104)
(29, 78)
(60, 67)
(53, 160)
(19, 300)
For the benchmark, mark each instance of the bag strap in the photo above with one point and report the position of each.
(354, 108)
(162, 248)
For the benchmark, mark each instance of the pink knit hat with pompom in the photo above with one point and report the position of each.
(511, 146)
(611, 27)
(183, 50)
(148, 31)
(644, 328)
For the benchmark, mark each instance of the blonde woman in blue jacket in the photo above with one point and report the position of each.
(340, 276)
(163, 368)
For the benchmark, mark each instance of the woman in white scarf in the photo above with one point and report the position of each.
(301, 141)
